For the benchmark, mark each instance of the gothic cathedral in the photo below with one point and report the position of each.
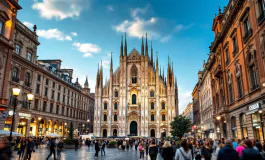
(137, 99)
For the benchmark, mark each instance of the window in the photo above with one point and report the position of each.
(1, 27)
(239, 87)
(63, 98)
(261, 11)
(38, 89)
(105, 106)
(62, 110)
(163, 117)
(115, 117)
(231, 94)
(116, 94)
(53, 84)
(115, 105)
(15, 74)
(57, 109)
(39, 77)
(52, 94)
(105, 117)
(27, 79)
(163, 106)
(152, 105)
(67, 111)
(36, 104)
(253, 77)
(59, 88)
(47, 81)
(44, 106)
(243, 125)
(152, 93)
(51, 107)
(58, 97)
(233, 127)
(235, 47)
(152, 117)
(247, 29)
(134, 74)
(29, 57)
(46, 92)
(18, 49)
(133, 99)
(227, 58)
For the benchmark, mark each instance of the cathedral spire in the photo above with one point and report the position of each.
(86, 83)
(146, 46)
(152, 62)
(157, 61)
(111, 65)
(163, 74)
(160, 71)
(125, 46)
(101, 75)
(121, 48)
(142, 47)
(172, 75)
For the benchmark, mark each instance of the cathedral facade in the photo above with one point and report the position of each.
(137, 99)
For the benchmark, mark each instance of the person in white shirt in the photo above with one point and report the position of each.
(183, 153)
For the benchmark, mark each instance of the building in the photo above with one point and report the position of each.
(188, 112)
(196, 112)
(57, 101)
(137, 99)
(8, 14)
(206, 107)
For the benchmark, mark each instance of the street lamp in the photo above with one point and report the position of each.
(88, 125)
(218, 118)
(15, 93)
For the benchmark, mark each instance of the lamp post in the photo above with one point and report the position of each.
(15, 92)
(88, 125)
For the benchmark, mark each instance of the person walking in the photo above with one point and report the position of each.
(5, 151)
(234, 143)
(153, 150)
(240, 148)
(59, 148)
(146, 147)
(136, 144)
(97, 148)
(21, 148)
(30, 148)
(220, 146)
(141, 150)
(183, 153)
(76, 144)
(167, 151)
(103, 145)
(207, 150)
(52, 147)
(197, 150)
(249, 153)
(227, 152)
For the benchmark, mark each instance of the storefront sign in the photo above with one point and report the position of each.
(24, 115)
(4, 115)
(254, 106)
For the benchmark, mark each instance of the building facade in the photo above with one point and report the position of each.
(8, 14)
(137, 99)
(57, 101)
(196, 112)
(188, 112)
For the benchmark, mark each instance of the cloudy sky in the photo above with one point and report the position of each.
(83, 32)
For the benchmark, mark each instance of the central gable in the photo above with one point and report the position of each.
(134, 55)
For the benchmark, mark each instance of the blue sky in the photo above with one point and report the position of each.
(83, 32)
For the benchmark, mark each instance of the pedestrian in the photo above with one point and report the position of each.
(254, 145)
(174, 146)
(228, 152)
(146, 147)
(240, 148)
(250, 153)
(167, 151)
(103, 144)
(141, 150)
(59, 148)
(136, 144)
(235, 144)
(22, 146)
(197, 150)
(207, 150)
(220, 146)
(30, 148)
(153, 150)
(52, 147)
(5, 151)
(190, 145)
(76, 144)
(123, 145)
(97, 148)
(184, 153)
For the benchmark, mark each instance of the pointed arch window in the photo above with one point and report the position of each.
(234, 127)
(152, 93)
(163, 117)
(105, 105)
(163, 105)
(133, 99)
(152, 105)
(152, 117)
(116, 94)
(134, 74)
(115, 117)
(115, 105)
(105, 117)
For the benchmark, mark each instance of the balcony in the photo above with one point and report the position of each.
(218, 71)
(247, 35)
(261, 18)
(235, 51)
(15, 79)
(27, 84)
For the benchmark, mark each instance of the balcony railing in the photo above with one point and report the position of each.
(15, 79)
(218, 71)
(247, 35)
(261, 18)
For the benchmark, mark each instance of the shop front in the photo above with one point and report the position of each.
(22, 127)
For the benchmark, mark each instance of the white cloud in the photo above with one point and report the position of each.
(184, 99)
(137, 27)
(87, 55)
(165, 38)
(105, 63)
(60, 9)
(28, 24)
(110, 8)
(53, 34)
(87, 48)
(178, 28)
(73, 33)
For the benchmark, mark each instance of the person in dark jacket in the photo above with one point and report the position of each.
(167, 151)
(5, 151)
(97, 149)
(249, 153)
(207, 150)
(30, 147)
(153, 150)
(227, 152)
(52, 149)
(76, 144)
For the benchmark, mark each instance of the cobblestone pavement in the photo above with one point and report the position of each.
(84, 153)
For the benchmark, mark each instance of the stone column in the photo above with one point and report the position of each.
(28, 127)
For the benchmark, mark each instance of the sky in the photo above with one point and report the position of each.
(83, 32)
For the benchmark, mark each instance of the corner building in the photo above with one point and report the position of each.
(137, 99)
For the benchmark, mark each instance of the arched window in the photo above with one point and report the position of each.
(105, 106)
(105, 117)
(233, 126)
(134, 74)
(163, 117)
(115, 105)
(116, 94)
(152, 117)
(163, 106)
(152, 105)
(152, 93)
(133, 99)
(243, 125)
(115, 117)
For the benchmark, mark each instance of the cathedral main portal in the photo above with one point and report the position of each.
(133, 128)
